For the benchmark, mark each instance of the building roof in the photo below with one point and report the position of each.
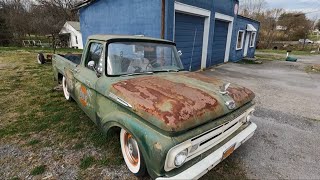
(111, 37)
(82, 4)
(74, 24)
(244, 17)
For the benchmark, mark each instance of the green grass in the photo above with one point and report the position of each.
(30, 106)
(39, 49)
(270, 57)
(314, 37)
(283, 52)
(38, 170)
(33, 142)
(86, 162)
(15, 178)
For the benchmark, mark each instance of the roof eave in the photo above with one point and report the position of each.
(82, 4)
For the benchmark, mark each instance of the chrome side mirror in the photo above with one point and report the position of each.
(180, 53)
(91, 65)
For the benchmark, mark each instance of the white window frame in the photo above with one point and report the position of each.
(229, 19)
(196, 11)
(242, 39)
(253, 39)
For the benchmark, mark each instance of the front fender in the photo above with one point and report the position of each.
(153, 144)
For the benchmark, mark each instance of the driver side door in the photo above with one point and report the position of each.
(86, 79)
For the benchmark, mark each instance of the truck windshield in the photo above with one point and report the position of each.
(129, 58)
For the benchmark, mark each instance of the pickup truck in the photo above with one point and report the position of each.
(173, 124)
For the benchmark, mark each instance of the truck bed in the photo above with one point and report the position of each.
(61, 62)
(75, 58)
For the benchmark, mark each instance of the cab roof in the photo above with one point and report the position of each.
(103, 37)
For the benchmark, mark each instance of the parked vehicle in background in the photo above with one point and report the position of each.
(305, 41)
(172, 123)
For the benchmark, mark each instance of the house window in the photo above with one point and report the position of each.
(253, 39)
(240, 39)
(76, 39)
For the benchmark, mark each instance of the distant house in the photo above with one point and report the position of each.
(208, 32)
(70, 35)
(281, 28)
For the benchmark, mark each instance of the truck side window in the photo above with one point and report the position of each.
(94, 54)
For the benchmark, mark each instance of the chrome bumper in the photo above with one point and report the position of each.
(209, 162)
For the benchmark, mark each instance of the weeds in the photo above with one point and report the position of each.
(86, 162)
(38, 170)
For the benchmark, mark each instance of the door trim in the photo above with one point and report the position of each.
(230, 20)
(195, 11)
(246, 44)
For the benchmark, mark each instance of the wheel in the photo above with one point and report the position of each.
(132, 154)
(40, 58)
(65, 89)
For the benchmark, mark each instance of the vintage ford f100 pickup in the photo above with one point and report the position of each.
(172, 123)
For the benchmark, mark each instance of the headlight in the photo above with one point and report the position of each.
(177, 156)
(181, 157)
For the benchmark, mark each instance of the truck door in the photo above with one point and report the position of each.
(86, 79)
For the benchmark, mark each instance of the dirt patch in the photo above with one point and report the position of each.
(313, 68)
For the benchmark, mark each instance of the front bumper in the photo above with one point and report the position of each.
(209, 162)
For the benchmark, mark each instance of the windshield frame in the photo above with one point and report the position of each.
(139, 41)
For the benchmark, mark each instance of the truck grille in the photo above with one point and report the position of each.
(209, 139)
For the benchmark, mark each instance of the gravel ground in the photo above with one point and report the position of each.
(286, 144)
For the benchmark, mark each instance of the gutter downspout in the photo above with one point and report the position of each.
(163, 16)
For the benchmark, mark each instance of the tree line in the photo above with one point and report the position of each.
(22, 18)
(277, 24)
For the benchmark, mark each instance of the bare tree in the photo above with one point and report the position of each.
(297, 25)
(252, 8)
(39, 17)
(16, 17)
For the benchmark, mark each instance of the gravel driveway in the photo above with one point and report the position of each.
(286, 144)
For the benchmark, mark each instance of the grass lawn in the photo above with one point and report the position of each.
(44, 136)
(283, 52)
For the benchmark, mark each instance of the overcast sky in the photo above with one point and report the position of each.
(297, 5)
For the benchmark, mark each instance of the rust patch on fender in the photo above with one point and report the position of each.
(240, 95)
(173, 103)
(83, 96)
(204, 78)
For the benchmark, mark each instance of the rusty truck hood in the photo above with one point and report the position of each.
(178, 101)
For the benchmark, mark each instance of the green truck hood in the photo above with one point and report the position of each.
(178, 101)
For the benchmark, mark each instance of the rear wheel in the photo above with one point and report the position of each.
(40, 58)
(65, 89)
(132, 154)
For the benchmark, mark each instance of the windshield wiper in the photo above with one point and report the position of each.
(140, 73)
(168, 70)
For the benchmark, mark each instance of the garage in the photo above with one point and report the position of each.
(189, 39)
(219, 42)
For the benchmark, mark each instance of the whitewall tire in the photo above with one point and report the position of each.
(132, 154)
(65, 89)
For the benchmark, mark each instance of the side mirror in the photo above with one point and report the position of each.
(91, 65)
(180, 53)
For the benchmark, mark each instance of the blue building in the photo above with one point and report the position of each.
(208, 32)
